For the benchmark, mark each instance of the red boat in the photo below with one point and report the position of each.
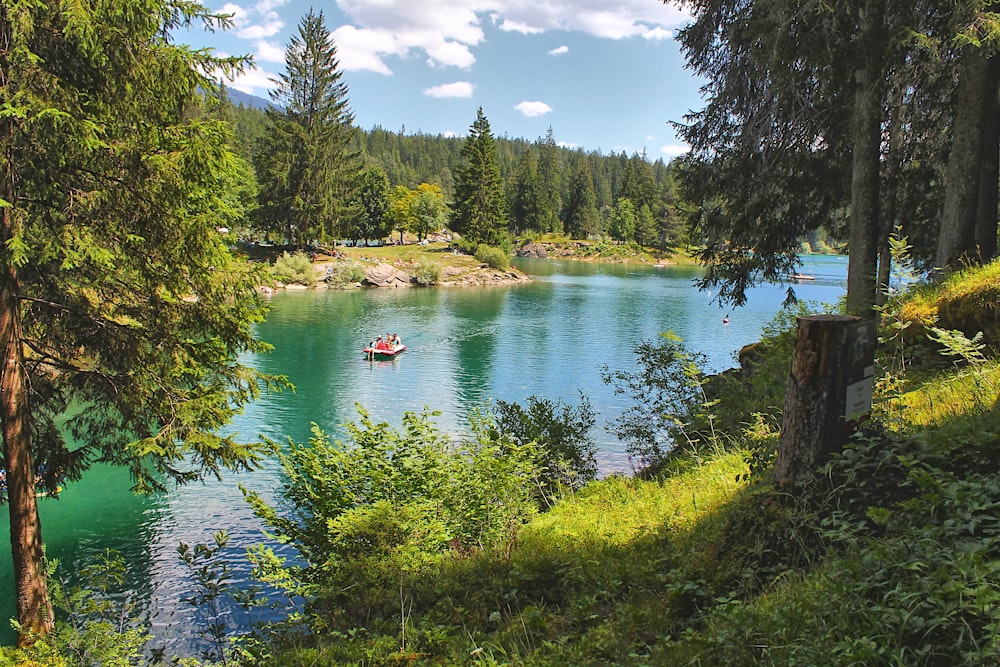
(384, 349)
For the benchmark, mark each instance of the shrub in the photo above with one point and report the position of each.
(466, 246)
(427, 272)
(667, 393)
(294, 268)
(494, 257)
(566, 453)
(347, 273)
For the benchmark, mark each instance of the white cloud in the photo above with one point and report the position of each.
(254, 81)
(533, 109)
(362, 50)
(456, 89)
(270, 52)
(567, 144)
(451, 54)
(256, 22)
(447, 31)
(559, 50)
(450, 134)
(524, 28)
(674, 150)
(658, 33)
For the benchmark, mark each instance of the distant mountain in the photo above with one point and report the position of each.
(238, 97)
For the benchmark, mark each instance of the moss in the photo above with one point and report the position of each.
(970, 302)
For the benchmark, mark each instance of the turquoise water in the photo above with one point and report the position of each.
(550, 338)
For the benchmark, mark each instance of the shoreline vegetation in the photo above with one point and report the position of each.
(400, 265)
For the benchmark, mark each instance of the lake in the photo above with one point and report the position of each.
(551, 339)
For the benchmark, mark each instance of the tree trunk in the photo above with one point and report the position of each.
(989, 168)
(34, 611)
(957, 238)
(891, 192)
(866, 132)
(828, 388)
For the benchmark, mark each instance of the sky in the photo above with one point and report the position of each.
(604, 75)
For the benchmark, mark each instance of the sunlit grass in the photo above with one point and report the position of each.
(951, 394)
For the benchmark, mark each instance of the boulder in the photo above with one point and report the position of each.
(386, 275)
(536, 250)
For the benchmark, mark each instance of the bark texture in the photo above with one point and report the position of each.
(814, 423)
(866, 132)
(957, 237)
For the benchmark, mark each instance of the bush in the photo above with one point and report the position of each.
(466, 246)
(668, 397)
(566, 454)
(347, 273)
(427, 272)
(494, 257)
(294, 268)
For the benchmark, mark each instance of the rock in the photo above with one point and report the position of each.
(536, 250)
(385, 275)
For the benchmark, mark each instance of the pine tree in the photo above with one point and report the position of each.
(117, 292)
(550, 183)
(479, 212)
(308, 167)
(373, 199)
(527, 200)
(582, 219)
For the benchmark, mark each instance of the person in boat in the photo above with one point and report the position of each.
(396, 342)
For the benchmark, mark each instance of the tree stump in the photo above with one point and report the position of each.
(829, 391)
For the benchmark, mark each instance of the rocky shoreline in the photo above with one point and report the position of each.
(384, 275)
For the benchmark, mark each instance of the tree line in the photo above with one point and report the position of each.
(320, 177)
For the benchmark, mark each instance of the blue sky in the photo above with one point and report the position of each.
(604, 75)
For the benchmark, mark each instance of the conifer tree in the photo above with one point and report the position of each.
(550, 183)
(582, 219)
(308, 167)
(373, 200)
(527, 200)
(479, 211)
(117, 292)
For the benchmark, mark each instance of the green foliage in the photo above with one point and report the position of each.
(479, 211)
(347, 273)
(427, 272)
(307, 168)
(621, 227)
(99, 623)
(213, 582)
(114, 278)
(373, 220)
(667, 393)
(294, 267)
(495, 258)
(428, 210)
(561, 432)
(370, 515)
